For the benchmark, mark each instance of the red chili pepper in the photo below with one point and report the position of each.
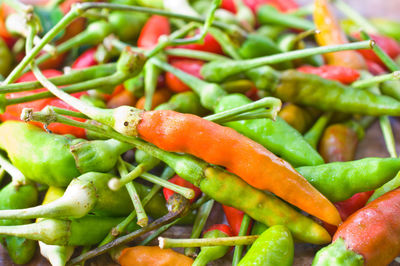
(86, 59)
(210, 44)
(155, 27)
(375, 68)
(221, 227)
(234, 217)
(389, 45)
(281, 5)
(342, 74)
(4, 34)
(177, 180)
(190, 66)
(14, 111)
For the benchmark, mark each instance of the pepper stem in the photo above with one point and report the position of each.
(365, 83)
(206, 242)
(18, 178)
(237, 255)
(313, 135)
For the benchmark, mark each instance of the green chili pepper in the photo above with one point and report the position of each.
(258, 228)
(54, 159)
(312, 90)
(278, 136)
(273, 247)
(339, 181)
(337, 254)
(270, 31)
(208, 254)
(391, 88)
(268, 14)
(127, 25)
(6, 59)
(184, 102)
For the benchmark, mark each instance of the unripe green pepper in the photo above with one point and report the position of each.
(258, 228)
(127, 25)
(273, 247)
(6, 59)
(337, 254)
(391, 88)
(184, 102)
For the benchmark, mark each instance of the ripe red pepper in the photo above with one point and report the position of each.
(342, 74)
(389, 45)
(155, 27)
(14, 111)
(86, 59)
(234, 218)
(190, 66)
(281, 5)
(210, 44)
(375, 68)
(177, 180)
(221, 227)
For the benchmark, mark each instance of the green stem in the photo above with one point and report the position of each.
(352, 14)
(140, 212)
(199, 223)
(17, 177)
(237, 255)
(270, 15)
(217, 71)
(116, 231)
(225, 43)
(115, 183)
(73, 77)
(362, 84)
(151, 73)
(313, 135)
(195, 54)
(206, 242)
(186, 192)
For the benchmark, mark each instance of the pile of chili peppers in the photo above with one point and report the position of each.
(121, 119)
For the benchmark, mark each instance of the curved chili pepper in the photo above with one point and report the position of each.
(342, 74)
(159, 128)
(208, 254)
(177, 180)
(273, 247)
(341, 180)
(389, 45)
(127, 25)
(192, 67)
(86, 59)
(338, 143)
(155, 27)
(331, 33)
(378, 220)
(234, 218)
(154, 256)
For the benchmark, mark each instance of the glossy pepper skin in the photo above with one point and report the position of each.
(208, 254)
(152, 256)
(155, 27)
(86, 59)
(273, 247)
(209, 44)
(379, 221)
(341, 180)
(275, 175)
(342, 74)
(177, 180)
(331, 33)
(20, 250)
(327, 95)
(190, 66)
(338, 143)
(299, 118)
(54, 159)
(277, 136)
(234, 218)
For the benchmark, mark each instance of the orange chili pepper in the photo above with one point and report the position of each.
(160, 96)
(219, 145)
(124, 97)
(152, 256)
(331, 33)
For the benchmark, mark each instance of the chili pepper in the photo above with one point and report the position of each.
(124, 97)
(273, 247)
(338, 143)
(374, 68)
(16, 195)
(155, 256)
(183, 183)
(86, 59)
(127, 25)
(234, 218)
(4, 34)
(277, 136)
(331, 33)
(208, 254)
(270, 31)
(155, 27)
(53, 159)
(6, 58)
(222, 186)
(160, 96)
(299, 118)
(378, 220)
(388, 27)
(184, 102)
(189, 66)
(56, 255)
(283, 6)
(391, 88)
(268, 14)
(341, 180)
(311, 90)
(342, 74)
(389, 45)
(209, 45)
(258, 228)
